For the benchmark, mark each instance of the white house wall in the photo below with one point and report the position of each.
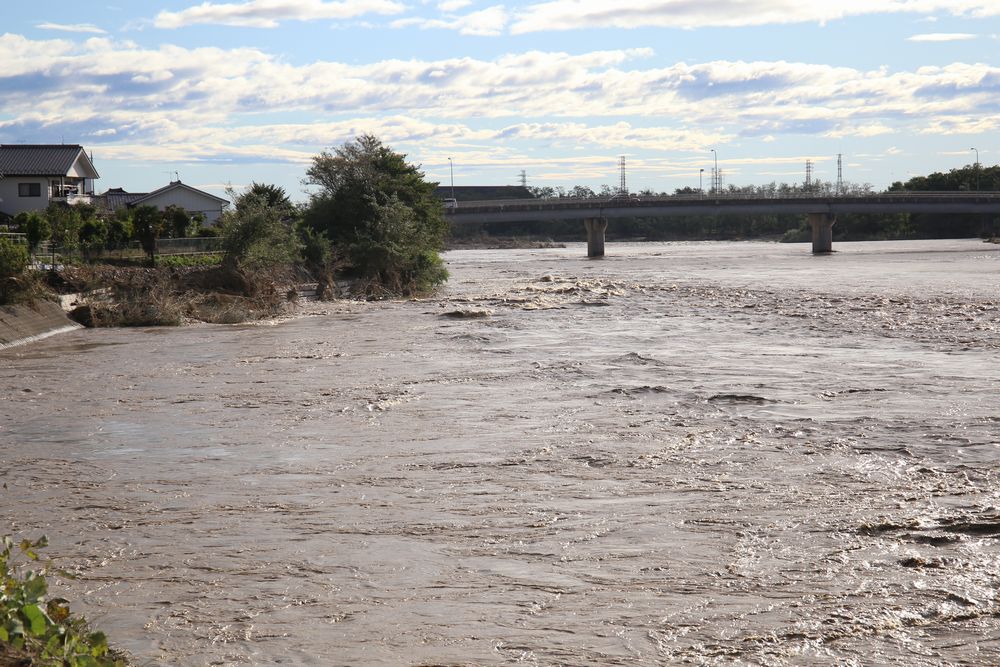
(12, 204)
(82, 169)
(189, 201)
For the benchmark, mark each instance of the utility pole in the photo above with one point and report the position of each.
(451, 168)
(621, 166)
(977, 166)
(840, 174)
(809, 175)
(716, 180)
(523, 178)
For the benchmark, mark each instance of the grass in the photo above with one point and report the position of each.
(36, 629)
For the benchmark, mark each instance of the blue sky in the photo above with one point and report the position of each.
(228, 92)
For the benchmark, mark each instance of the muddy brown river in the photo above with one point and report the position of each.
(704, 453)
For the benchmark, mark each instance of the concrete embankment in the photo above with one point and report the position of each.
(26, 323)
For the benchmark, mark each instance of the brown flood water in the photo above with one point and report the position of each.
(705, 453)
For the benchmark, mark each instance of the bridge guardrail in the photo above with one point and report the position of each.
(556, 203)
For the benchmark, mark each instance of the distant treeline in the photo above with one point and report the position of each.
(849, 227)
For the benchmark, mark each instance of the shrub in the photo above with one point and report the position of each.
(37, 229)
(35, 627)
(14, 258)
(256, 234)
(147, 224)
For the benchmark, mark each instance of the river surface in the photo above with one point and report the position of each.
(702, 453)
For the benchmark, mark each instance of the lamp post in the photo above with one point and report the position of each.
(700, 190)
(976, 166)
(715, 174)
(451, 169)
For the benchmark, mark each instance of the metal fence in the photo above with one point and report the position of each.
(164, 247)
(131, 250)
(21, 239)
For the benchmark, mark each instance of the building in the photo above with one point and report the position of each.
(176, 193)
(34, 175)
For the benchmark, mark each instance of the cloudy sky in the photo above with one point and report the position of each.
(229, 92)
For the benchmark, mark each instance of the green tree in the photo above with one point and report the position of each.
(14, 260)
(37, 228)
(93, 237)
(255, 234)
(380, 214)
(274, 197)
(65, 221)
(119, 228)
(177, 220)
(147, 225)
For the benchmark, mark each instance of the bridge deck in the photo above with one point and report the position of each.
(564, 208)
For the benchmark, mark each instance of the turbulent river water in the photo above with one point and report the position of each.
(705, 453)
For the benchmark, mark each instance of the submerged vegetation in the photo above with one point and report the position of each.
(37, 629)
(372, 220)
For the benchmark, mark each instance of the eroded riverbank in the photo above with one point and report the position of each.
(711, 453)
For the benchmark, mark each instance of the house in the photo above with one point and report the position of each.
(34, 175)
(176, 193)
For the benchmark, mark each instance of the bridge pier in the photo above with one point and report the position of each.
(595, 235)
(822, 232)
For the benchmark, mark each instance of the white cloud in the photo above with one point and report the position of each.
(76, 27)
(172, 103)
(488, 22)
(580, 14)
(270, 13)
(942, 37)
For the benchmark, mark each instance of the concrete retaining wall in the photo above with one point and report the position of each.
(24, 324)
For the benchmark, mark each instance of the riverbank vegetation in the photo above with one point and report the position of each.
(372, 223)
(39, 629)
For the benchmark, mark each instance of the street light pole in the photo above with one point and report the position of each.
(451, 168)
(977, 166)
(715, 176)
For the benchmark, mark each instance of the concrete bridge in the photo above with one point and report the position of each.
(821, 211)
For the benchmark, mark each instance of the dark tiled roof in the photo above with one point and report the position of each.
(117, 198)
(38, 159)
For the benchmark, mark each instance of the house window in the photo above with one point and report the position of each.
(29, 189)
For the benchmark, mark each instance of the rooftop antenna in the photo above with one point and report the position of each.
(621, 167)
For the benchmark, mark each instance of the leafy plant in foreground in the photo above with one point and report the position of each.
(39, 628)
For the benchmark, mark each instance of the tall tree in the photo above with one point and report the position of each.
(380, 214)
(147, 224)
